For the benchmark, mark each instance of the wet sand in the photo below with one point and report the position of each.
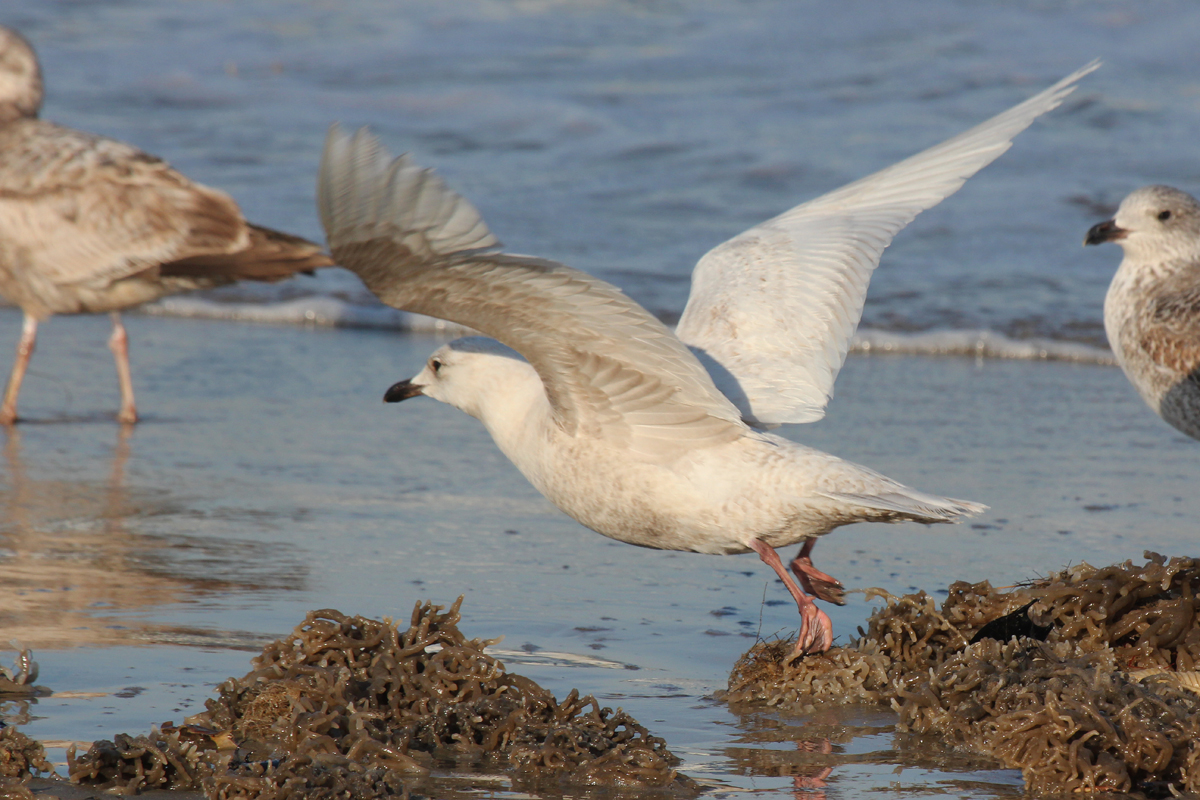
(269, 479)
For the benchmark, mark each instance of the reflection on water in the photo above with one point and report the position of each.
(810, 781)
(76, 571)
(849, 750)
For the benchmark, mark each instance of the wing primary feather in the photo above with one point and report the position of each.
(420, 247)
(774, 308)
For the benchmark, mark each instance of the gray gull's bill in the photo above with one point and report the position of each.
(643, 435)
(1152, 308)
(89, 224)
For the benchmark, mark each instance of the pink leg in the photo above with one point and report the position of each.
(119, 344)
(816, 630)
(8, 411)
(815, 582)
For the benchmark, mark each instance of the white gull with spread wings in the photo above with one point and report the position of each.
(612, 416)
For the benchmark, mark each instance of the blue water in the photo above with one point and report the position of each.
(627, 138)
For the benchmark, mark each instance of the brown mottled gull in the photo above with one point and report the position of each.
(612, 416)
(1152, 308)
(88, 224)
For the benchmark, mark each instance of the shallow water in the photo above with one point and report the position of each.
(625, 138)
(146, 568)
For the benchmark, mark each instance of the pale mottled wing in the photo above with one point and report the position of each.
(80, 208)
(772, 310)
(611, 370)
(1170, 333)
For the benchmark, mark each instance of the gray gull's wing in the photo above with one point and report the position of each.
(611, 370)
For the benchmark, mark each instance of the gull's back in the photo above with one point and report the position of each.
(712, 498)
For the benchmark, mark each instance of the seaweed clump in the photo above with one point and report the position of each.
(349, 706)
(20, 756)
(1085, 680)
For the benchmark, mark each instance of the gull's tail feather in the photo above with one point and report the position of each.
(909, 504)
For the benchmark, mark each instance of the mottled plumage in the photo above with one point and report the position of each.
(89, 224)
(612, 416)
(1152, 308)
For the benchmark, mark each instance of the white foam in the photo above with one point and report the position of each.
(323, 311)
(333, 312)
(979, 344)
(550, 658)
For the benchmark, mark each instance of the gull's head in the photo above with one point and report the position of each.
(20, 77)
(472, 374)
(1155, 224)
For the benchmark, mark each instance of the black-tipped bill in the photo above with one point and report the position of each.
(1106, 231)
(401, 391)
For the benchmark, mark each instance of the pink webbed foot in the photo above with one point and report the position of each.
(816, 629)
(815, 582)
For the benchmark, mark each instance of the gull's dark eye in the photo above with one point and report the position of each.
(1164, 215)
(435, 365)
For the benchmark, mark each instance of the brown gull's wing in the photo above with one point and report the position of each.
(82, 209)
(79, 207)
(1170, 333)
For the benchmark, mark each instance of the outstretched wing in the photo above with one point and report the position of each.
(772, 310)
(611, 370)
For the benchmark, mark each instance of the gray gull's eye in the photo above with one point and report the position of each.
(1164, 215)
(435, 365)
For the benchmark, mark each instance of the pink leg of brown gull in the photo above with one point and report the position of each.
(815, 582)
(119, 344)
(816, 630)
(8, 411)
